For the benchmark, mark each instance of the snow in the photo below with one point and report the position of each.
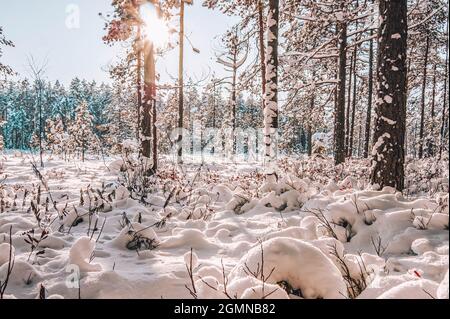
(388, 99)
(442, 291)
(80, 253)
(312, 224)
(422, 288)
(297, 262)
(5, 250)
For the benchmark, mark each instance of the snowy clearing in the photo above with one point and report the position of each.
(313, 231)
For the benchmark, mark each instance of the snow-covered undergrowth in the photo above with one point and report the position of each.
(221, 231)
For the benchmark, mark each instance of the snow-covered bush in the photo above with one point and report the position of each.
(297, 264)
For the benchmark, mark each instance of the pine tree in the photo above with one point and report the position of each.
(82, 136)
(57, 138)
(2, 142)
(233, 58)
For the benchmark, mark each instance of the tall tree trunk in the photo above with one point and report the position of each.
(213, 149)
(407, 139)
(181, 87)
(352, 123)
(414, 146)
(432, 149)
(147, 102)
(154, 136)
(262, 49)
(444, 105)
(339, 120)
(433, 98)
(309, 127)
(359, 137)
(40, 125)
(83, 150)
(422, 105)
(309, 139)
(138, 53)
(369, 99)
(389, 135)
(347, 111)
(234, 102)
(271, 104)
(335, 93)
(262, 53)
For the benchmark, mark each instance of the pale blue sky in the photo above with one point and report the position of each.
(39, 28)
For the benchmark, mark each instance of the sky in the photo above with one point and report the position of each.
(66, 36)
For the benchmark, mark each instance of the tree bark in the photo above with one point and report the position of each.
(262, 49)
(352, 123)
(147, 101)
(40, 124)
(347, 111)
(369, 99)
(359, 137)
(389, 135)
(234, 101)
(407, 139)
(444, 105)
(422, 105)
(181, 87)
(213, 150)
(309, 128)
(335, 95)
(339, 121)
(433, 99)
(139, 80)
(271, 102)
(155, 137)
(432, 145)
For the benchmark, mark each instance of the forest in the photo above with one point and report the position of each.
(311, 160)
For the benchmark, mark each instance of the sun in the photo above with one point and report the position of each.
(156, 29)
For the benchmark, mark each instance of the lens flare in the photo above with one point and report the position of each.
(156, 29)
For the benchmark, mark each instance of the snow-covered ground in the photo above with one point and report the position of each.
(313, 231)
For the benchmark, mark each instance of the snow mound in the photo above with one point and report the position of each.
(136, 236)
(4, 253)
(208, 287)
(122, 193)
(418, 289)
(22, 274)
(188, 238)
(442, 291)
(252, 288)
(191, 258)
(81, 252)
(300, 264)
(117, 165)
(421, 245)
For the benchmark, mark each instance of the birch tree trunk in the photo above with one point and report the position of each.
(271, 98)
(262, 49)
(444, 106)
